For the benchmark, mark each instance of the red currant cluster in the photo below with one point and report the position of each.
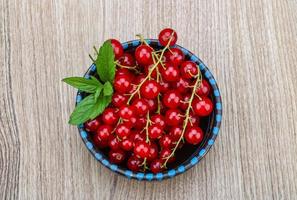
(156, 108)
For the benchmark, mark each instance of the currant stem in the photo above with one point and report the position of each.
(148, 122)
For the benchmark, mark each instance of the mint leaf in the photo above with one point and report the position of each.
(86, 85)
(105, 62)
(98, 92)
(101, 104)
(107, 89)
(82, 111)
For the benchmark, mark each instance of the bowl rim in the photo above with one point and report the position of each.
(189, 163)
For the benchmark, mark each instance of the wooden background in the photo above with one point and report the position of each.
(250, 46)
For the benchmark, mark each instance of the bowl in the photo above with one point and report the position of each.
(189, 155)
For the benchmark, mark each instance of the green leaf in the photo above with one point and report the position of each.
(86, 85)
(105, 62)
(98, 92)
(107, 89)
(82, 111)
(101, 104)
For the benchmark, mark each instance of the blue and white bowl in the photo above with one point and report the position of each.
(186, 157)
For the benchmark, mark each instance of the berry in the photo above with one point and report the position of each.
(156, 166)
(126, 112)
(194, 135)
(113, 143)
(166, 142)
(204, 88)
(122, 83)
(202, 107)
(175, 56)
(165, 153)
(153, 104)
(104, 132)
(150, 89)
(127, 144)
(184, 103)
(155, 131)
(143, 55)
(116, 156)
(153, 152)
(137, 137)
(170, 73)
(117, 48)
(140, 123)
(194, 120)
(171, 99)
(164, 86)
(134, 163)
(131, 122)
(123, 131)
(173, 117)
(109, 116)
(99, 142)
(147, 68)
(124, 71)
(159, 120)
(141, 106)
(119, 100)
(127, 60)
(188, 69)
(142, 149)
(182, 85)
(165, 35)
(175, 133)
(92, 125)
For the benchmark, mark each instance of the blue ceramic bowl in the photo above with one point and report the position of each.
(189, 155)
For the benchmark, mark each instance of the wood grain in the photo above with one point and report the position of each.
(250, 46)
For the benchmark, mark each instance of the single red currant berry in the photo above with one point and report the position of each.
(165, 153)
(202, 107)
(124, 71)
(159, 120)
(122, 84)
(127, 144)
(142, 149)
(175, 56)
(113, 142)
(153, 152)
(166, 35)
(204, 88)
(99, 142)
(143, 55)
(170, 73)
(156, 166)
(116, 156)
(131, 122)
(104, 132)
(123, 130)
(117, 48)
(175, 133)
(194, 135)
(171, 99)
(141, 106)
(164, 86)
(140, 123)
(109, 116)
(134, 163)
(182, 85)
(150, 89)
(137, 137)
(185, 102)
(147, 68)
(126, 112)
(153, 104)
(127, 60)
(173, 117)
(155, 131)
(166, 142)
(119, 100)
(188, 69)
(92, 125)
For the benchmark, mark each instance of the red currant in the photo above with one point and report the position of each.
(123, 130)
(175, 56)
(117, 48)
(99, 142)
(194, 120)
(143, 55)
(182, 85)
(109, 116)
(140, 123)
(113, 142)
(104, 132)
(159, 120)
(202, 107)
(165, 35)
(204, 88)
(142, 149)
(122, 83)
(127, 60)
(171, 99)
(131, 122)
(170, 73)
(127, 144)
(116, 156)
(137, 137)
(153, 152)
(150, 89)
(156, 166)
(164, 86)
(165, 153)
(185, 102)
(124, 71)
(175, 133)
(166, 142)
(155, 131)
(173, 117)
(188, 69)
(126, 112)
(194, 135)
(153, 104)
(141, 106)
(119, 100)
(92, 125)
(147, 68)
(134, 163)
